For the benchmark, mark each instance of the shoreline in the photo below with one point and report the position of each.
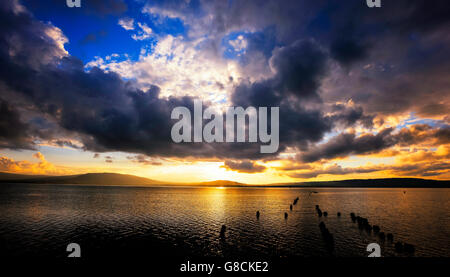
(443, 186)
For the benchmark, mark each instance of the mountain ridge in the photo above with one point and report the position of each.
(116, 179)
(105, 178)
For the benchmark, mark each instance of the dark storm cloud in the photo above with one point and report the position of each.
(442, 136)
(24, 40)
(347, 50)
(299, 69)
(264, 41)
(298, 126)
(420, 15)
(349, 28)
(423, 169)
(346, 25)
(245, 166)
(289, 17)
(66, 143)
(13, 132)
(348, 116)
(105, 112)
(405, 46)
(404, 41)
(346, 144)
(423, 132)
(352, 29)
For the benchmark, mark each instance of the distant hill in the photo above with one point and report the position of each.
(105, 179)
(83, 179)
(361, 183)
(13, 176)
(376, 183)
(222, 183)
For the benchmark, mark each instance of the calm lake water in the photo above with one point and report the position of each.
(40, 220)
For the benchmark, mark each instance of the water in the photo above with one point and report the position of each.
(40, 220)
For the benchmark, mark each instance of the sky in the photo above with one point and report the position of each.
(362, 92)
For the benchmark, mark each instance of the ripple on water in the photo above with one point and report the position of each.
(44, 218)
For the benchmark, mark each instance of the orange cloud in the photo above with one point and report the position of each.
(43, 167)
(245, 166)
(442, 153)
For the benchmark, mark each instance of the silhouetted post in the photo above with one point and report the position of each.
(257, 214)
(390, 237)
(322, 226)
(290, 207)
(328, 237)
(339, 214)
(362, 222)
(285, 215)
(376, 229)
(408, 248)
(222, 231)
(399, 247)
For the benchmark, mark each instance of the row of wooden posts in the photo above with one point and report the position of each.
(363, 224)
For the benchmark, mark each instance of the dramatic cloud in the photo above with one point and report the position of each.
(347, 51)
(179, 68)
(106, 112)
(420, 169)
(423, 163)
(13, 132)
(349, 80)
(403, 45)
(410, 170)
(348, 115)
(243, 166)
(441, 153)
(43, 167)
(298, 70)
(66, 143)
(423, 133)
(142, 159)
(294, 86)
(346, 144)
